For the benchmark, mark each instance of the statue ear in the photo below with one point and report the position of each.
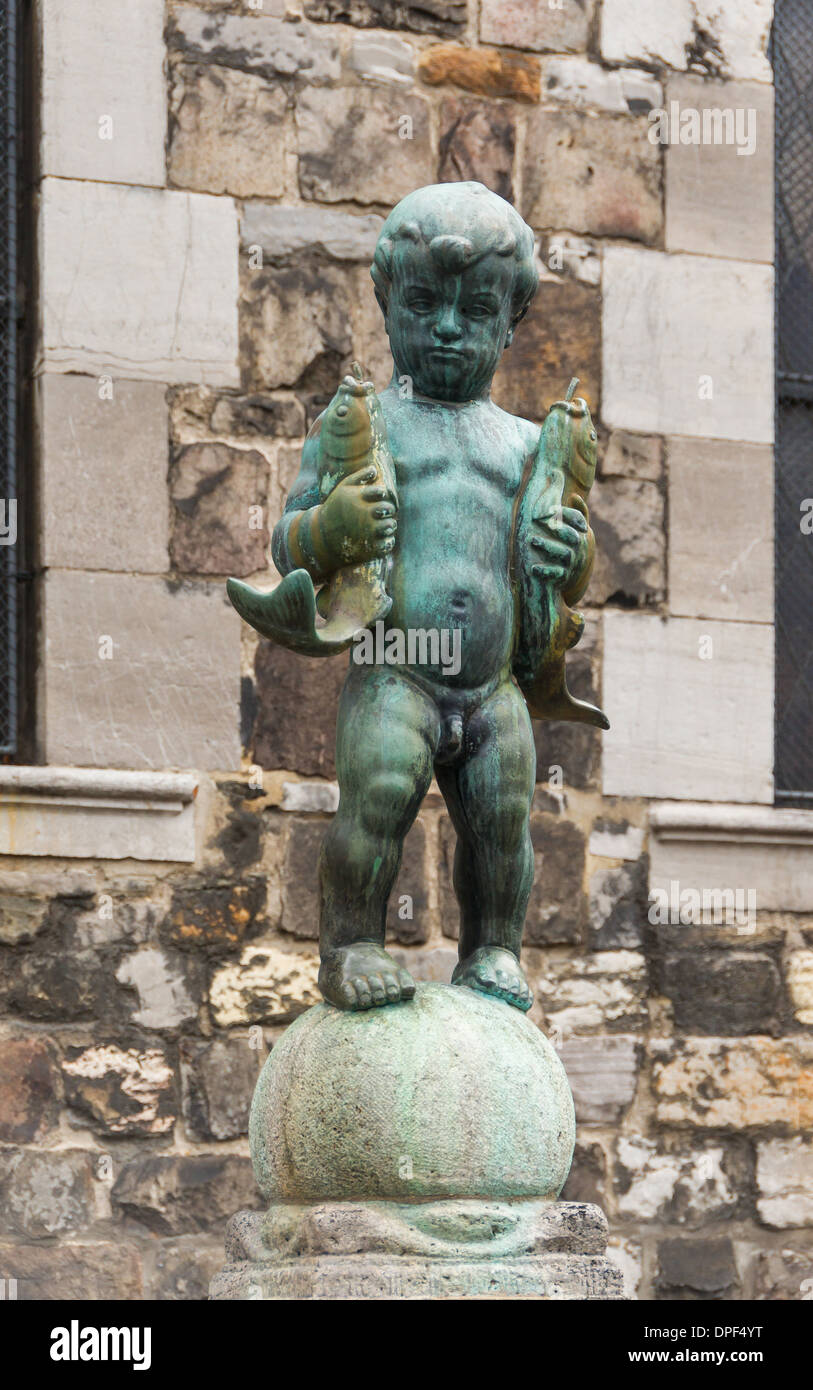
(509, 337)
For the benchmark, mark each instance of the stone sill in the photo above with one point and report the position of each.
(97, 813)
(706, 846)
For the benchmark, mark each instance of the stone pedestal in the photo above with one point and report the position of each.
(415, 1151)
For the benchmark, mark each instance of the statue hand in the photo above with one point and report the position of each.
(356, 522)
(561, 546)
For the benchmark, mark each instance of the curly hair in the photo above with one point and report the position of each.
(459, 223)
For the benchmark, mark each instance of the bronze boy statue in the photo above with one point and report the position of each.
(431, 510)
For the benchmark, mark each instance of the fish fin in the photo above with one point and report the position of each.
(287, 615)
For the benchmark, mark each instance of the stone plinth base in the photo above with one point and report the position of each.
(468, 1248)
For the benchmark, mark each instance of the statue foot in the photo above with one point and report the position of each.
(363, 976)
(493, 970)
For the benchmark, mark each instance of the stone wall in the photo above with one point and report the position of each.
(212, 178)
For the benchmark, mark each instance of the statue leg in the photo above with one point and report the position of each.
(387, 735)
(489, 798)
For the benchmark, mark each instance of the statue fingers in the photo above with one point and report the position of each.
(367, 474)
(548, 571)
(553, 549)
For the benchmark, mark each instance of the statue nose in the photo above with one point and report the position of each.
(447, 326)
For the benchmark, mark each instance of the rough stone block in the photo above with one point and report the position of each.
(296, 326)
(559, 336)
(97, 1270)
(214, 917)
(46, 1194)
(282, 232)
(690, 1270)
(227, 132)
(727, 1083)
(218, 1082)
(618, 906)
(266, 985)
(581, 82)
(172, 1195)
(557, 908)
(300, 911)
(103, 105)
(477, 141)
(800, 985)
(627, 516)
(719, 194)
(358, 145)
(220, 510)
(591, 174)
(722, 991)
(263, 44)
(784, 1275)
(168, 984)
(600, 990)
(587, 1179)
(29, 1090)
(690, 705)
(389, 61)
(486, 71)
(687, 345)
(631, 456)
(603, 1072)
(121, 1090)
(677, 1186)
(709, 480)
(298, 703)
(182, 1270)
(535, 24)
(94, 516)
(421, 16)
(785, 1183)
(156, 312)
(136, 655)
(718, 38)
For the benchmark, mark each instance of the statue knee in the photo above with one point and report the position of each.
(386, 807)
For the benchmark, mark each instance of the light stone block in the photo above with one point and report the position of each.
(138, 282)
(685, 725)
(785, 1182)
(138, 672)
(729, 847)
(288, 231)
(603, 1073)
(733, 1083)
(729, 36)
(103, 107)
(721, 503)
(800, 979)
(579, 82)
(687, 345)
(263, 43)
(103, 474)
(719, 201)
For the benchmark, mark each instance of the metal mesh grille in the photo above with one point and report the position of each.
(793, 69)
(8, 376)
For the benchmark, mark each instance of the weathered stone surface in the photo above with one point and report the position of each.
(684, 1186)
(240, 841)
(408, 912)
(214, 917)
(587, 1179)
(457, 1084)
(689, 1270)
(687, 345)
(298, 700)
(421, 16)
(321, 798)
(580, 82)
(615, 839)
(600, 990)
(560, 334)
(109, 920)
(186, 324)
(220, 510)
(557, 908)
(182, 1269)
(784, 1275)
(627, 1257)
(719, 194)
(722, 1083)
(267, 985)
(102, 60)
(94, 516)
(97, 1270)
(591, 174)
(282, 232)
(627, 517)
(260, 44)
(260, 414)
(227, 132)
(20, 918)
(537, 25)
(121, 1090)
(716, 745)
(168, 984)
(135, 701)
(45, 1194)
(477, 142)
(218, 1082)
(722, 991)
(300, 911)
(389, 61)
(433, 964)
(357, 144)
(602, 1072)
(709, 479)
(785, 1183)
(51, 985)
(718, 39)
(295, 326)
(576, 256)
(618, 906)
(632, 456)
(800, 985)
(172, 1195)
(29, 1090)
(486, 71)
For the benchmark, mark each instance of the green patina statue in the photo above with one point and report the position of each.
(444, 539)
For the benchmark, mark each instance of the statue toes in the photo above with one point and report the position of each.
(378, 992)
(407, 984)
(365, 998)
(392, 987)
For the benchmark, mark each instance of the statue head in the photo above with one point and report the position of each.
(454, 273)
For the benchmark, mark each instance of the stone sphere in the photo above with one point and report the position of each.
(450, 1094)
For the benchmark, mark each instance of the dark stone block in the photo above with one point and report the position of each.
(587, 1179)
(299, 698)
(300, 911)
(560, 333)
(29, 1090)
(59, 986)
(215, 917)
(477, 141)
(219, 510)
(722, 992)
(557, 910)
(696, 1269)
(218, 1082)
(172, 1195)
(260, 415)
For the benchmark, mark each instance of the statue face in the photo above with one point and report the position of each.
(447, 331)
